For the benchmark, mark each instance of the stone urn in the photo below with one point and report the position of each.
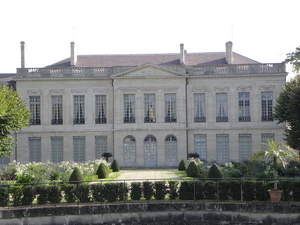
(275, 195)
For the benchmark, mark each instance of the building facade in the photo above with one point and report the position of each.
(149, 110)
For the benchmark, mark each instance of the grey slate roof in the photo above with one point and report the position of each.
(191, 59)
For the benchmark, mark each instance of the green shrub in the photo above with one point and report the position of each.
(70, 193)
(234, 189)
(296, 190)
(192, 170)
(97, 191)
(210, 190)
(29, 193)
(261, 191)
(102, 171)
(111, 192)
(16, 192)
(136, 191)
(4, 195)
(160, 190)
(54, 195)
(199, 190)
(248, 190)
(115, 166)
(214, 172)
(83, 193)
(54, 174)
(186, 190)
(182, 166)
(285, 185)
(148, 191)
(76, 176)
(223, 187)
(42, 194)
(173, 189)
(123, 190)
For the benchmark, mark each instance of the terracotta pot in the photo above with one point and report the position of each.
(275, 195)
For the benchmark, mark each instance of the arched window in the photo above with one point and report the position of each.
(171, 149)
(129, 149)
(150, 151)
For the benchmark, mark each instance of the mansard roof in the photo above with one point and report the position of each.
(191, 59)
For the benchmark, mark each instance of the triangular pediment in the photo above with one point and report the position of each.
(149, 71)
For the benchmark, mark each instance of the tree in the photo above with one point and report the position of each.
(277, 155)
(106, 155)
(294, 59)
(287, 109)
(13, 117)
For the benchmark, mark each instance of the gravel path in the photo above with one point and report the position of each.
(148, 174)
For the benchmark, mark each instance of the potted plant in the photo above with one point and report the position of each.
(279, 157)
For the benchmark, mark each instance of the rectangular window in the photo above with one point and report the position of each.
(265, 138)
(34, 149)
(245, 146)
(221, 107)
(79, 109)
(201, 146)
(170, 108)
(223, 148)
(35, 110)
(57, 113)
(100, 109)
(267, 106)
(57, 146)
(150, 113)
(100, 146)
(199, 108)
(79, 149)
(129, 108)
(244, 107)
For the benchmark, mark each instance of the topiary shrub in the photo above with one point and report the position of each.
(115, 166)
(111, 192)
(192, 170)
(97, 191)
(83, 193)
(194, 155)
(28, 195)
(199, 190)
(54, 195)
(173, 189)
(16, 193)
(214, 172)
(182, 166)
(148, 191)
(210, 190)
(70, 193)
(136, 191)
(186, 190)
(160, 190)
(4, 195)
(76, 176)
(102, 171)
(123, 190)
(42, 194)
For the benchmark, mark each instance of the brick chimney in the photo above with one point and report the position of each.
(182, 54)
(229, 53)
(73, 56)
(22, 54)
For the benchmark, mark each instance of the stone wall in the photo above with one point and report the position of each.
(156, 213)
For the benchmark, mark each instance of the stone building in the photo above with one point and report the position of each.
(149, 110)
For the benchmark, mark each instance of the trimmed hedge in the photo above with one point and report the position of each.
(4, 195)
(186, 190)
(42, 194)
(148, 191)
(54, 195)
(136, 191)
(29, 193)
(98, 192)
(160, 190)
(173, 190)
(70, 193)
(16, 193)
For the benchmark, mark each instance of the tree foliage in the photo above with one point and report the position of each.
(287, 110)
(294, 59)
(13, 117)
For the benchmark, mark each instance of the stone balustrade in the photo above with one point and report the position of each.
(233, 69)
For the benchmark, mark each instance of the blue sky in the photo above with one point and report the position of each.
(262, 30)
